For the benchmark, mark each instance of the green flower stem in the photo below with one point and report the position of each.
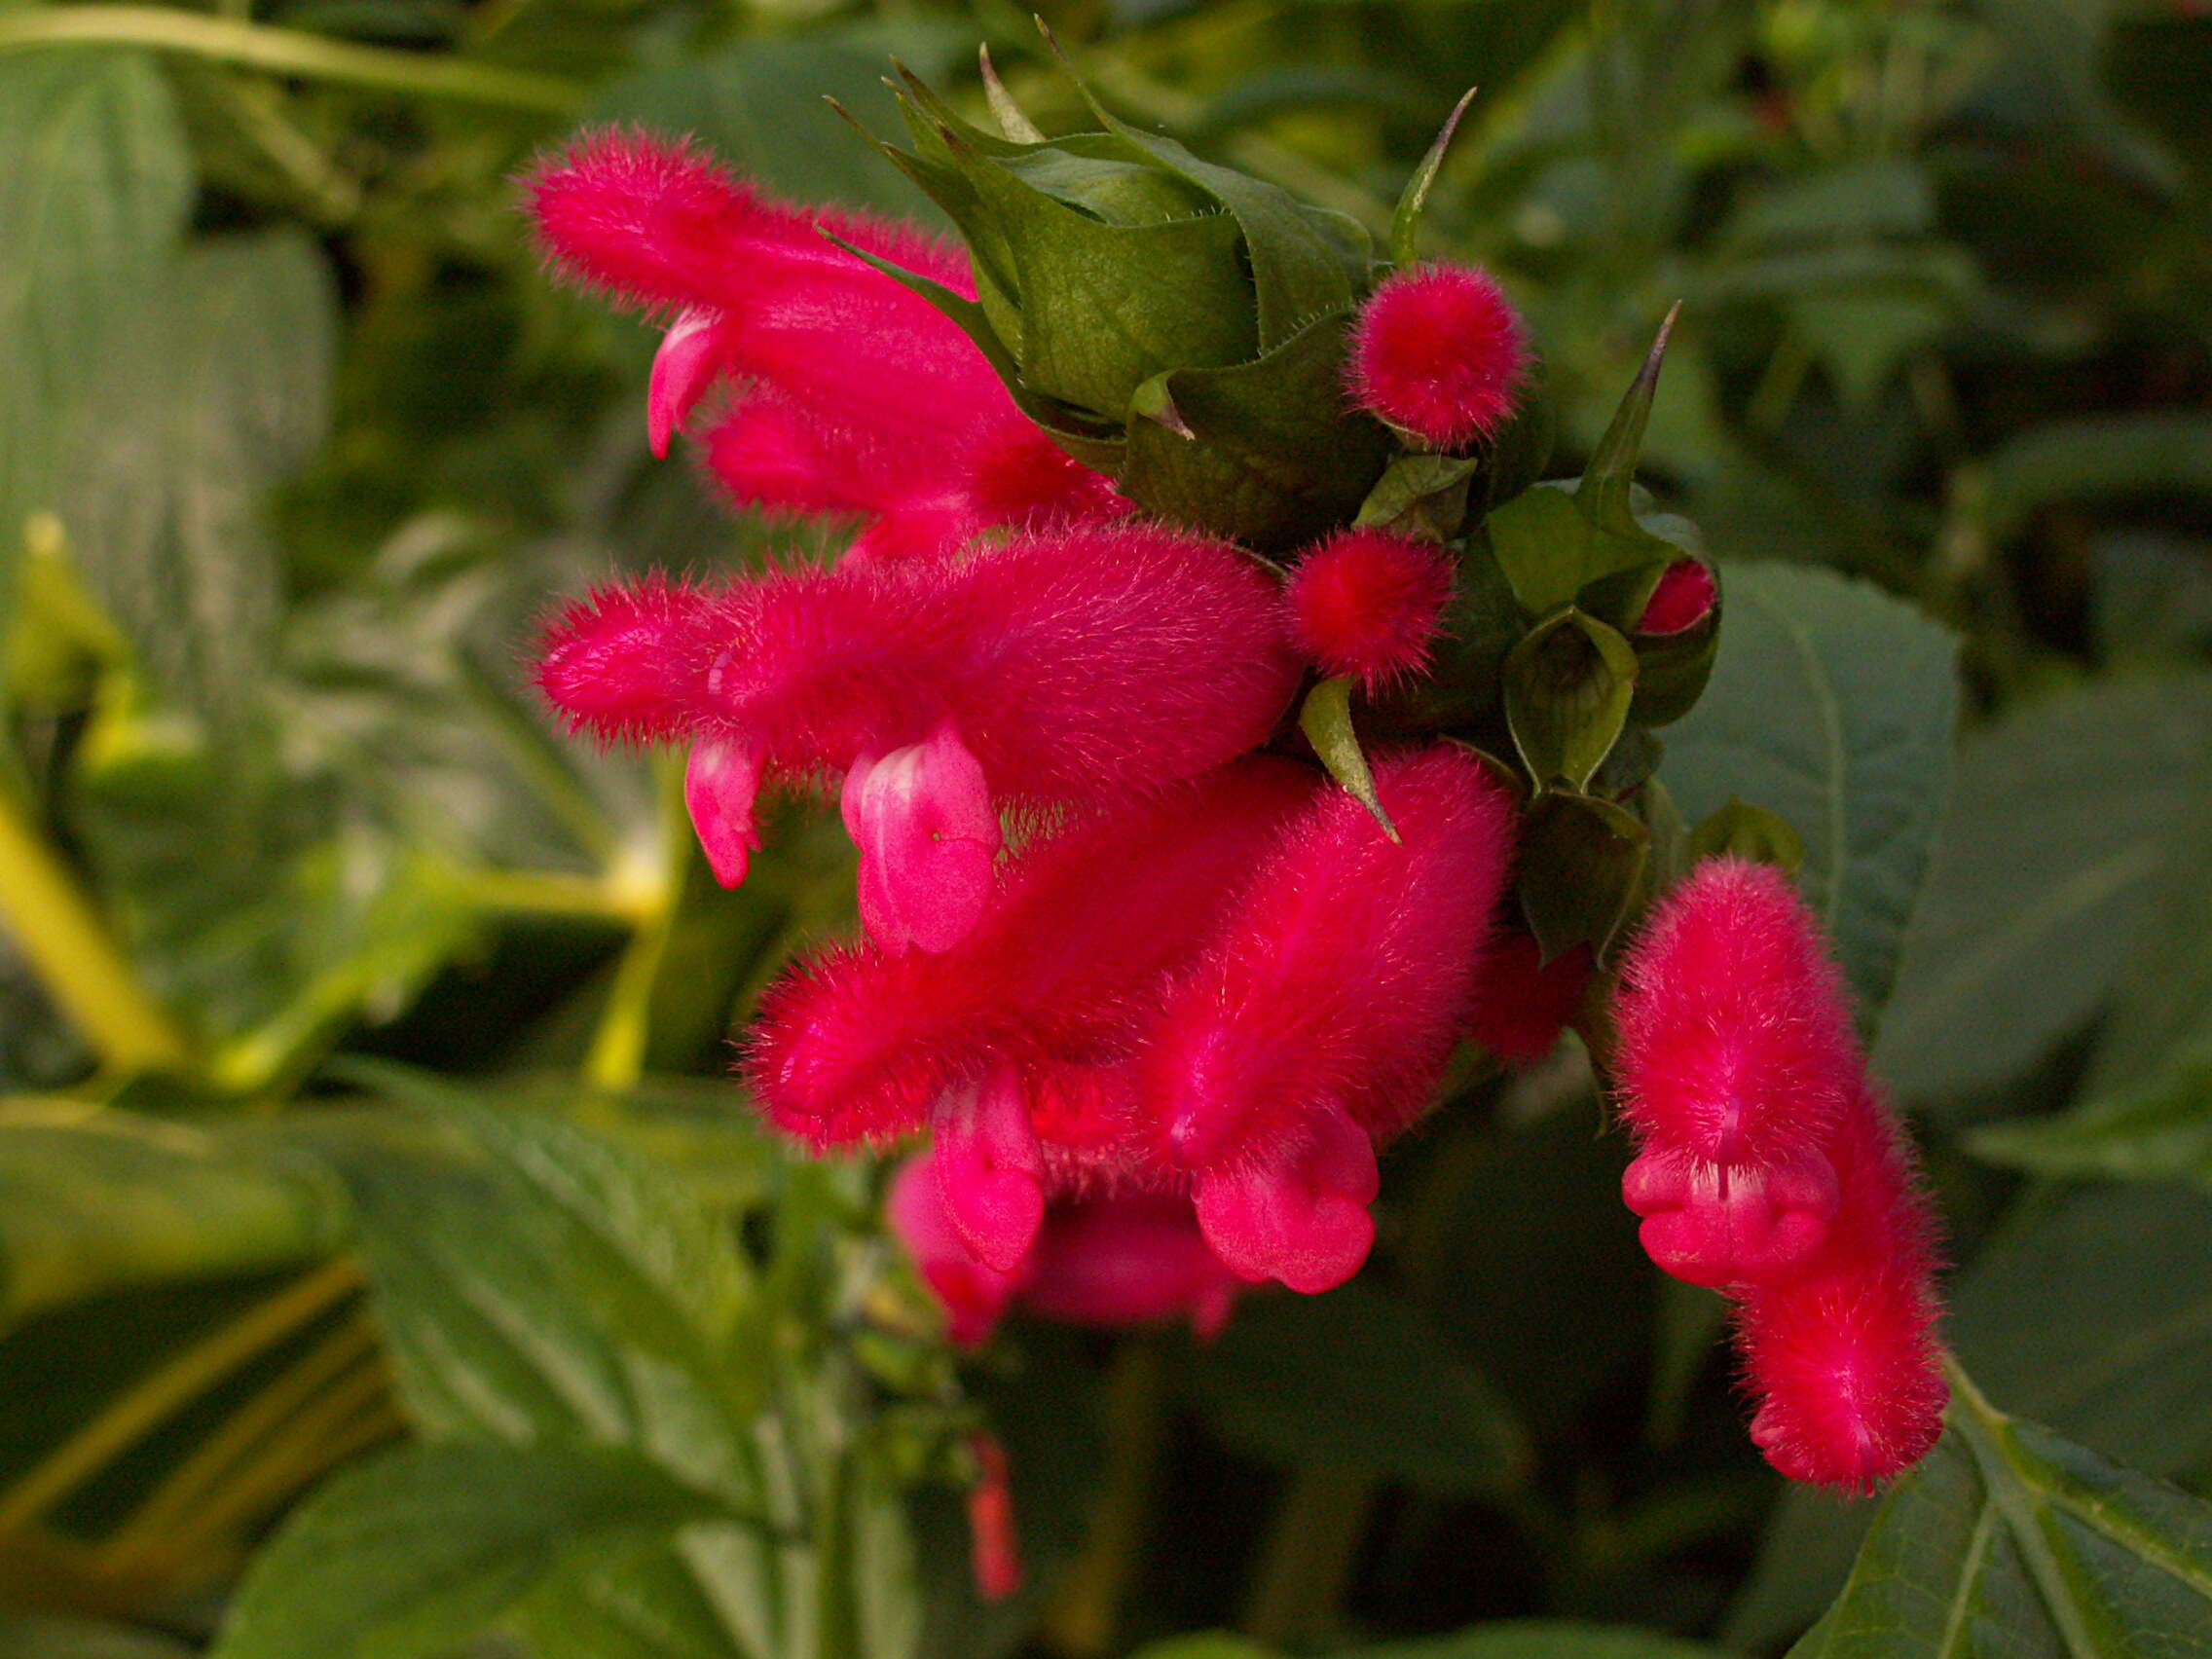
(1084, 1616)
(1308, 1559)
(287, 51)
(618, 1054)
(68, 944)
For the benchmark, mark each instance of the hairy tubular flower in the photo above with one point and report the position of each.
(1843, 1359)
(1438, 353)
(1066, 667)
(1771, 1167)
(860, 396)
(864, 1044)
(1736, 1060)
(1368, 604)
(1317, 1021)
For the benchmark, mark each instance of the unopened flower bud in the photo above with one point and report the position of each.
(1438, 354)
(1368, 604)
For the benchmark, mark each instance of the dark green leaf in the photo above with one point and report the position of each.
(98, 1200)
(2009, 1541)
(216, 386)
(1567, 688)
(2093, 458)
(1360, 1379)
(1578, 868)
(1830, 705)
(2060, 827)
(2074, 1313)
(408, 1556)
(94, 194)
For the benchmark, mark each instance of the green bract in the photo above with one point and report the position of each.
(1175, 324)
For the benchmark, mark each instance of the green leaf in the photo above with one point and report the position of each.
(572, 1289)
(1831, 705)
(1741, 831)
(1610, 475)
(97, 1202)
(1277, 459)
(1577, 867)
(1360, 1379)
(2075, 1313)
(1550, 550)
(1325, 718)
(2158, 1131)
(2009, 1541)
(408, 1556)
(94, 194)
(2094, 458)
(1405, 222)
(2061, 825)
(216, 386)
(1539, 1639)
(1569, 685)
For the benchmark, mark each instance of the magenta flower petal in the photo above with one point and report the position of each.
(1300, 1218)
(720, 780)
(991, 1170)
(973, 1295)
(683, 368)
(1718, 1223)
(929, 838)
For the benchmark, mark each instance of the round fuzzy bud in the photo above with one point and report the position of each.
(1437, 352)
(1684, 594)
(1367, 603)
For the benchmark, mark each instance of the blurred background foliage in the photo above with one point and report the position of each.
(362, 1043)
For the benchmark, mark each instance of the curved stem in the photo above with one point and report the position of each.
(287, 51)
(68, 944)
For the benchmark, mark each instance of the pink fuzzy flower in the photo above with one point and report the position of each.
(860, 396)
(1684, 594)
(1843, 1359)
(1437, 352)
(1059, 668)
(1368, 604)
(1736, 1060)
(1320, 1019)
(1054, 981)
(1770, 1167)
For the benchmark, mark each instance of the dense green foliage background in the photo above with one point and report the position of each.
(362, 1041)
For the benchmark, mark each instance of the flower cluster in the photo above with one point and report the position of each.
(1151, 967)
(1156, 1045)
(1770, 1168)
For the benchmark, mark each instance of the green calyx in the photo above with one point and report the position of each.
(1173, 323)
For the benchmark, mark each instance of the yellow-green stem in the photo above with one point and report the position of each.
(69, 946)
(170, 1388)
(287, 51)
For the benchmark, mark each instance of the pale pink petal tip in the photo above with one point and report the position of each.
(990, 1171)
(929, 840)
(721, 782)
(973, 1295)
(1303, 1220)
(683, 370)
